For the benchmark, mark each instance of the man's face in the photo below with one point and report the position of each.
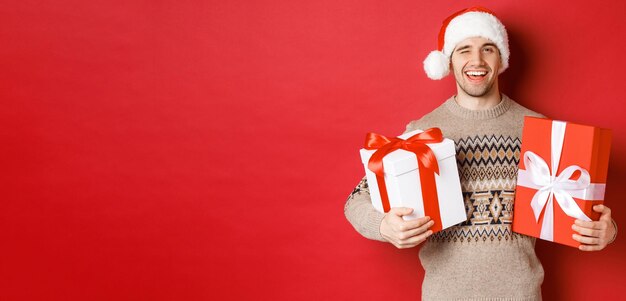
(476, 63)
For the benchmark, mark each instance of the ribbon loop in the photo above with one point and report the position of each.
(415, 144)
(426, 160)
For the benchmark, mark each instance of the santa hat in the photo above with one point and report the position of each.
(468, 23)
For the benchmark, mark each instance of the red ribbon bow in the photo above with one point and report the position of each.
(426, 162)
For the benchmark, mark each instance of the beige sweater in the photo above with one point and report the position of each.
(479, 259)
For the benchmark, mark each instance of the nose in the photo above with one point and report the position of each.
(477, 58)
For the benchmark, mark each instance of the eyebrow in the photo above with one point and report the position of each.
(463, 48)
(468, 46)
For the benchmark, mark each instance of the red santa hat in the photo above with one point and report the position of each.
(467, 23)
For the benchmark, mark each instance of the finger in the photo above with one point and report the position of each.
(586, 239)
(396, 222)
(590, 225)
(416, 240)
(590, 248)
(598, 208)
(417, 231)
(601, 209)
(412, 224)
(586, 231)
(406, 245)
(398, 245)
(606, 211)
(400, 211)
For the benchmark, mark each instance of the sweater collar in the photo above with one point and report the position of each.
(490, 113)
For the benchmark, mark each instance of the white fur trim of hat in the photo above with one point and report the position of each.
(468, 23)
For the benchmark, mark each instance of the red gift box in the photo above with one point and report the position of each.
(562, 175)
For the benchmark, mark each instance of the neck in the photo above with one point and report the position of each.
(487, 101)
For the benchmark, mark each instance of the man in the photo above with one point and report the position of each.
(480, 258)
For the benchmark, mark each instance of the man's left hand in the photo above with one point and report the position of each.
(595, 235)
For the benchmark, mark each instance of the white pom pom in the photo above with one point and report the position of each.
(436, 65)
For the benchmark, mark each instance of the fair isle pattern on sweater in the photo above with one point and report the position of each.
(487, 169)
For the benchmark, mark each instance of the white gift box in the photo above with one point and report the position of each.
(403, 182)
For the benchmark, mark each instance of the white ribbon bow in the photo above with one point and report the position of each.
(552, 186)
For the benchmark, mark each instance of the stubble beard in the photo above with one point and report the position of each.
(475, 91)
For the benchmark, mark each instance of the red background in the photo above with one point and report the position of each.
(188, 150)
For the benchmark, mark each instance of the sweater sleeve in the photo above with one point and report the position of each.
(361, 214)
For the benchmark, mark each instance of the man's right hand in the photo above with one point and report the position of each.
(405, 234)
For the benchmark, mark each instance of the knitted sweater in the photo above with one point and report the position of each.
(479, 259)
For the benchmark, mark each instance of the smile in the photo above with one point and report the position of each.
(476, 76)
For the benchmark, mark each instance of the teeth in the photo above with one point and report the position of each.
(476, 73)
